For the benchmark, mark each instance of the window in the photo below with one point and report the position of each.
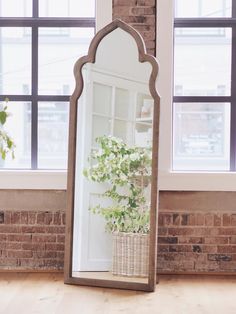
(39, 44)
(204, 107)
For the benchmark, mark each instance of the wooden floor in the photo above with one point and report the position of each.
(45, 293)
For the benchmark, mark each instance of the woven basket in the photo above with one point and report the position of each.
(130, 256)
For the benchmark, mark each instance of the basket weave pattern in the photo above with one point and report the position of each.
(130, 256)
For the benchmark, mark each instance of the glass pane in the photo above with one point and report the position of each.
(102, 98)
(101, 126)
(122, 104)
(143, 134)
(144, 110)
(18, 127)
(15, 8)
(201, 136)
(203, 8)
(124, 131)
(202, 61)
(67, 8)
(15, 60)
(53, 135)
(59, 48)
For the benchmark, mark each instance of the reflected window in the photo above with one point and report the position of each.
(36, 74)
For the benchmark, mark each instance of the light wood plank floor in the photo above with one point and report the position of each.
(45, 293)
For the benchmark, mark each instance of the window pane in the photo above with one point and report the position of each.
(15, 8)
(203, 8)
(201, 136)
(15, 60)
(53, 135)
(202, 61)
(59, 48)
(67, 8)
(123, 104)
(102, 97)
(18, 126)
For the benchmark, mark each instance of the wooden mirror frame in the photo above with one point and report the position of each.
(91, 58)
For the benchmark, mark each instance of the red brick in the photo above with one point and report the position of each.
(20, 254)
(183, 231)
(226, 249)
(8, 263)
(217, 220)
(19, 237)
(33, 229)
(60, 238)
(117, 3)
(48, 218)
(3, 237)
(33, 246)
(13, 245)
(40, 218)
(64, 219)
(43, 238)
(190, 240)
(45, 254)
(233, 220)
(24, 218)
(146, 2)
(226, 220)
(180, 248)
(10, 229)
(31, 263)
(209, 220)
(55, 229)
(7, 217)
(217, 240)
(165, 240)
(162, 248)
(32, 217)
(225, 231)
(141, 10)
(15, 217)
(162, 231)
(57, 218)
(55, 247)
(232, 240)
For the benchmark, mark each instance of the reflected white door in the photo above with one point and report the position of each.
(112, 107)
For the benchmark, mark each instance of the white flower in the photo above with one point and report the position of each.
(134, 156)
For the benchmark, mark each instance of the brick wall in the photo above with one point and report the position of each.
(32, 239)
(196, 242)
(141, 14)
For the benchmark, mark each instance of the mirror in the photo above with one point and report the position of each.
(112, 165)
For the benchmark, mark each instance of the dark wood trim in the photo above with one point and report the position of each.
(204, 22)
(47, 22)
(90, 58)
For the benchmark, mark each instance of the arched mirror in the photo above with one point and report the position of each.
(113, 158)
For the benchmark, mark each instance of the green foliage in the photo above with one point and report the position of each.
(127, 171)
(7, 145)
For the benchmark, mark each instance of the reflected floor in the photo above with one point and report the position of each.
(106, 275)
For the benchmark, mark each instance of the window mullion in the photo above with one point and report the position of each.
(34, 110)
(233, 95)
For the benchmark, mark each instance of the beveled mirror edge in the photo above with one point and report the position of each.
(91, 58)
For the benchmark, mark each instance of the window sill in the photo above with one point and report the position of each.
(33, 179)
(168, 181)
(197, 181)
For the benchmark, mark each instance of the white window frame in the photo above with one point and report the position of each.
(50, 179)
(168, 179)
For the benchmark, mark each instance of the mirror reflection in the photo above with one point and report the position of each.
(113, 165)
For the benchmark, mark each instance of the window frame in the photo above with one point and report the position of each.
(186, 180)
(35, 178)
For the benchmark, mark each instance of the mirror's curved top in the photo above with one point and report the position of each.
(94, 56)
